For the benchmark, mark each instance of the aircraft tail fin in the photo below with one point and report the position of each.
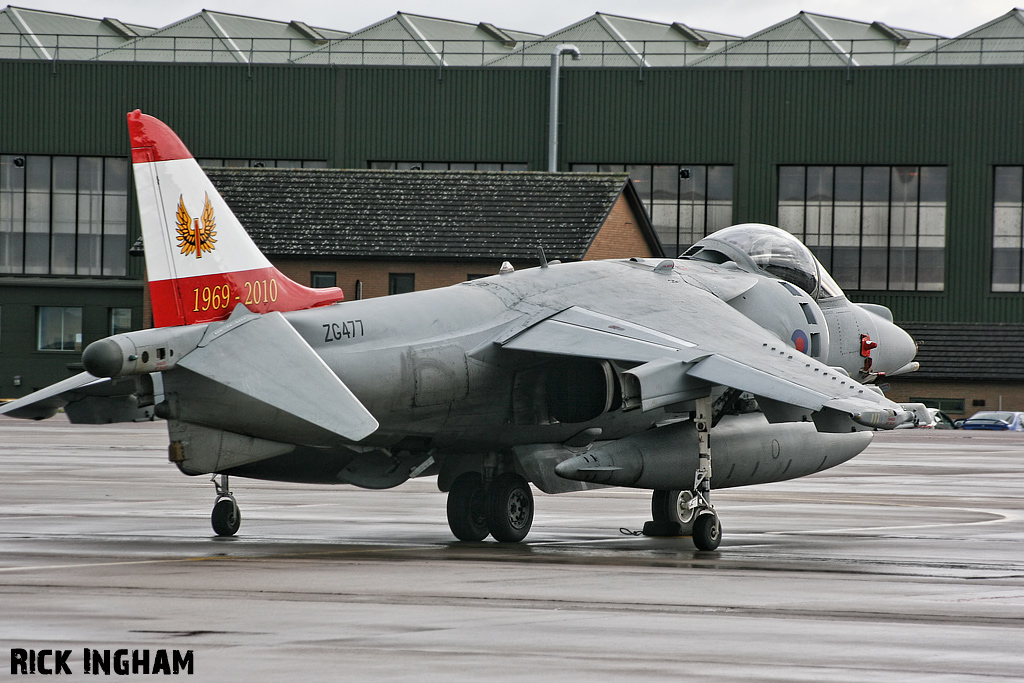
(201, 263)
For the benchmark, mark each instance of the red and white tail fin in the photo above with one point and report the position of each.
(201, 263)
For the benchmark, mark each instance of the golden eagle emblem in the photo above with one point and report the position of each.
(193, 238)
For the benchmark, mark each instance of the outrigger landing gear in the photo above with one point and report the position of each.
(226, 516)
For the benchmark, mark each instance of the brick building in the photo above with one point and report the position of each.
(965, 367)
(369, 230)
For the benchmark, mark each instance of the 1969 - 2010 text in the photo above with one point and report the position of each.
(214, 298)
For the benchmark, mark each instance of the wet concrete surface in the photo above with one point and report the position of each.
(905, 564)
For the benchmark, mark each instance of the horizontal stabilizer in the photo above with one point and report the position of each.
(266, 359)
(46, 402)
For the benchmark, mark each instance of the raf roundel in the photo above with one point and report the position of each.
(801, 342)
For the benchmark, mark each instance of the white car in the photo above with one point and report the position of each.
(926, 418)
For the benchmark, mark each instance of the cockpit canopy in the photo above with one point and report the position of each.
(758, 247)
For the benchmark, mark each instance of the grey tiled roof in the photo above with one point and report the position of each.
(424, 215)
(968, 351)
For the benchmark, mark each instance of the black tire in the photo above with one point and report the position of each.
(467, 509)
(670, 506)
(509, 508)
(707, 532)
(226, 517)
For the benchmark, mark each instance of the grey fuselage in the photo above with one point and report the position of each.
(433, 367)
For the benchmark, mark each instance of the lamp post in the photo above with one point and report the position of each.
(556, 55)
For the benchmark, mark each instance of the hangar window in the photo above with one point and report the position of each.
(448, 166)
(63, 215)
(1008, 230)
(261, 163)
(872, 227)
(686, 202)
(59, 328)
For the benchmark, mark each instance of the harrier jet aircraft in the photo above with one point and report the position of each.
(567, 375)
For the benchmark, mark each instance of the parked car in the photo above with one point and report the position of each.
(1001, 420)
(940, 420)
(926, 418)
(920, 412)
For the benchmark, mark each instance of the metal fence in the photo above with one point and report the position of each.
(448, 52)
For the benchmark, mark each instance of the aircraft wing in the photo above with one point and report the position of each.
(673, 369)
(86, 399)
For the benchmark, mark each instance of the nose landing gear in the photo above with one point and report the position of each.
(677, 513)
(707, 530)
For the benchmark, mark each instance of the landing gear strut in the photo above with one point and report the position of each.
(226, 516)
(677, 513)
(707, 530)
(504, 509)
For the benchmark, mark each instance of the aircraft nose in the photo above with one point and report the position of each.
(896, 350)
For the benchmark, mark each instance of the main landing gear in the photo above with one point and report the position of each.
(504, 509)
(226, 516)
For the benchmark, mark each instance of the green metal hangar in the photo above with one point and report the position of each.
(897, 156)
